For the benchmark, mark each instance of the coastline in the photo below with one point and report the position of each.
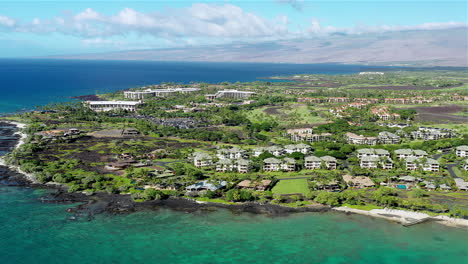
(120, 204)
(405, 217)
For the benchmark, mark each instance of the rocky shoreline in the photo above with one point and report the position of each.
(115, 204)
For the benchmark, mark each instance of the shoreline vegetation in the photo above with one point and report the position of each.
(391, 145)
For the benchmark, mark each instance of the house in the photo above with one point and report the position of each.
(119, 165)
(201, 159)
(465, 165)
(368, 152)
(230, 153)
(206, 186)
(331, 186)
(374, 162)
(302, 148)
(408, 179)
(57, 133)
(358, 182)
(352, 138)
(432, 133)
(104, 106)
(429, 185)
(426, 164)
(313, 162)
(461, 184)
(388, 138)
(445, 187)
(462, 151)
(254, 185)
(406, 153)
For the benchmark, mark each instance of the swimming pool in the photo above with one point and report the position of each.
(401, 186)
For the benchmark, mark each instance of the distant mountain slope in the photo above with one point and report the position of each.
(422, 48)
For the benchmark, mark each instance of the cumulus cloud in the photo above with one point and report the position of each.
(197, 24)
(7, 22)
(296, 4)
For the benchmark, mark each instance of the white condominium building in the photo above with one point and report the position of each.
(103, 106)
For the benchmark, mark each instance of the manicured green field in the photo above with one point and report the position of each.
(291, 186)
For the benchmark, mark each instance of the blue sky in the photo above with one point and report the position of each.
(38, 28)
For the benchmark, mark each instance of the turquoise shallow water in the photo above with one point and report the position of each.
(33, 232)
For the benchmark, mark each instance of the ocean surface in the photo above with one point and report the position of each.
(25, 84)
(36, 232)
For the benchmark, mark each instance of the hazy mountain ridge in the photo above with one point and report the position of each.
(423, 48)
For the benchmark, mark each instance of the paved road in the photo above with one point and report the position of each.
(450, 169)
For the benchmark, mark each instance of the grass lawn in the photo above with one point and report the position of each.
(291, 186)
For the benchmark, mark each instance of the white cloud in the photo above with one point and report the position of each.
(6, 21)
(194, 25)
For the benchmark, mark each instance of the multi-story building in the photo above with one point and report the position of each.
(231, 153)
(201, 159)
(139, 95)
(432, 133)
(425, 164)
(302, 148)
(227, 165)
(104, 106)
(462, 151)
(274, 164)
(352, 138)
(384, 114)
(388, 138)
(275, 150)
(374, 162)
(313, 162)
(407, 153)
(234, 94)
(310, 100)
(305, 134)
(367, 152)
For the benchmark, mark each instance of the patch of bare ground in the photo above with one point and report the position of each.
(440, 113)
(402, 88)
(273, 111)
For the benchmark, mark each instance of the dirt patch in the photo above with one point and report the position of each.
(273, 111)
(441, 113)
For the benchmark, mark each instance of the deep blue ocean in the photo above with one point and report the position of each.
(34, 232)
(27, 83)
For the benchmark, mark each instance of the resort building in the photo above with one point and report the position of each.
(407, 153)
(206, 186)
(258, 151)
(103, 106)
(462, 151)
(313, 162)
(465, 165)
(302, 148)
(274, 164)
(388, 138)
(305, 134)
(231, 153)
(228, 165)
(233, 94)
(201, 159)
(275, 150)
(139, 95)
(338, 100)
(432, 133)
(425, 164)
(374, 162)
(384, 114)
(358, 182)
(352, 138)
(367, 152)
